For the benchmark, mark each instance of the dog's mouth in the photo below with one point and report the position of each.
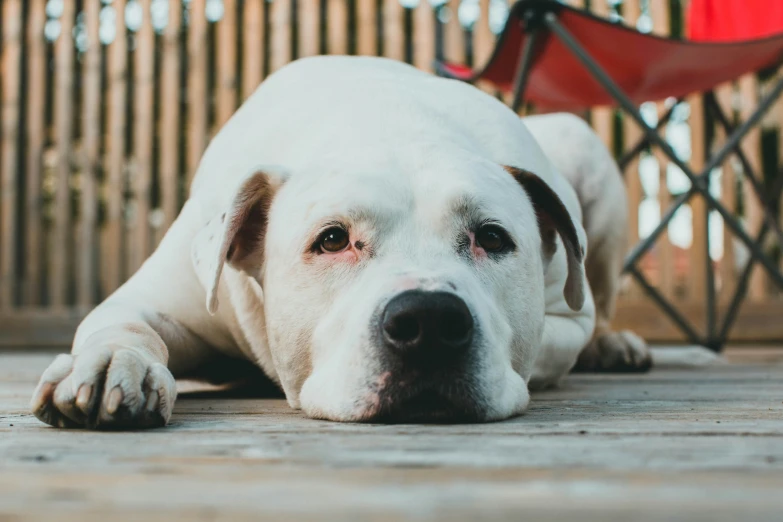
(428, 405)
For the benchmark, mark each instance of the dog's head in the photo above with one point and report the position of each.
(402, 296)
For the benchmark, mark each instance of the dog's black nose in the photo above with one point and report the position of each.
(427, 326)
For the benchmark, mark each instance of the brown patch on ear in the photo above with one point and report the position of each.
(553, 217)
(241, 241)
(247, 224)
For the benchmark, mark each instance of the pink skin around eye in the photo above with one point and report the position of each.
(475, 249)
(349, 255)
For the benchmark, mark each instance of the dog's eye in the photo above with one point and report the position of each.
(333, 240)
(492, 238)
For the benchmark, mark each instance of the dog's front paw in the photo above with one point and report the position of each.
(105, 388)
(622, 351)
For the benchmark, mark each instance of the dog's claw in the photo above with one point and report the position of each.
(139, 392)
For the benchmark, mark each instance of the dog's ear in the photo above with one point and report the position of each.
(553, 217)
(236, 234)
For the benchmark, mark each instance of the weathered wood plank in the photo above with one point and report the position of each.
(35, 134)
(9, 152)
(669, 445)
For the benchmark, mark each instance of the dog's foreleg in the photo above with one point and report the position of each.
(120, 372)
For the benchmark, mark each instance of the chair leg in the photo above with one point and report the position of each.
(666, 306)
(699, 183)
(644, 142)
(523, 68)
(748, 171)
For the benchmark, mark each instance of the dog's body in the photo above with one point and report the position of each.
(442, 203)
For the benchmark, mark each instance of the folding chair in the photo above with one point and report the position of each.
(563, 58)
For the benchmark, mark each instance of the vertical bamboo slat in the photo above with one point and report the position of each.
(366, 27)
(454, 35)
(11, 55)
(253, 46)
(483, 40)
(633, 184)
(196, 87)
(659, 10)
(697, 285)
(280, 18)
(59, 261)
(751, 146)
(111, 240)
(602, 117)
(728, 269)
(309, 27)
(424, 36)
(91, 135)
(337, 27)
(36, 126)
(393, 30)
(170, 133)
(141, 180)
(226, 63)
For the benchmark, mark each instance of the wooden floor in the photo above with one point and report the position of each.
(702, 444)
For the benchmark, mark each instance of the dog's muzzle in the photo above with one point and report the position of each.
(426, 339)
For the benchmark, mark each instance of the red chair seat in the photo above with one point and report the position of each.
(646, 67)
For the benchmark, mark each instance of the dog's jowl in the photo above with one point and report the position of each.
(385, 245)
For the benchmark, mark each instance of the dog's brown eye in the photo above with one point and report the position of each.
(491, 238)
(334, 240)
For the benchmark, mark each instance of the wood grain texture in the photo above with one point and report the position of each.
(253, 46)
(226, 91)
(367, 27)
(632, 133)
(698, 251)
(112, 273)
(337, 27)
(35, 136)
(728, 262)
(759, 285)
(424, 36)
(61, 250)
(90, 158)
(309, 27)
(196, 88)
(393, 30)
(139, 240)
(670, 445)
(280, 27)
(170, 118)
(9, 150)
(454, 34)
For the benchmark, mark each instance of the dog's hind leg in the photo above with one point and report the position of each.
(608, 350)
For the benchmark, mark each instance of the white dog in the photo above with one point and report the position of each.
(386, 245)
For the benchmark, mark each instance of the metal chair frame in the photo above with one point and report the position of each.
(542, 17)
